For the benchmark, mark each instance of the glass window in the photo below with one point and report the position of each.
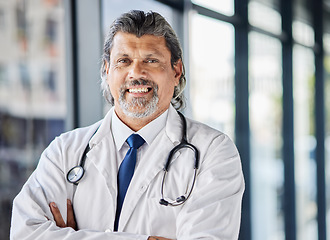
(303, 33)
(326, 43)
(305, 142)
(327, 125)
(32, 91)
(224, 6)
(211, 68)
(265, 79)
(265, 17)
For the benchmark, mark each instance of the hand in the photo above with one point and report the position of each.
(157, 238)
(71, 222)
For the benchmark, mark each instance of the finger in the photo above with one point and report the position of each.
(57, 215)
(71, 221)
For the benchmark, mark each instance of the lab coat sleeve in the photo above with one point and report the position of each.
(214, 209)
(31, 216)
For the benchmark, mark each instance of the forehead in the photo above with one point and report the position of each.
(127, 43)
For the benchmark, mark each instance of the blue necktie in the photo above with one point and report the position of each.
(126, 171)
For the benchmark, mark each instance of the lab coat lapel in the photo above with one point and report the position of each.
(103, 156)
(103, 151)
(104, 160)
(148, 170)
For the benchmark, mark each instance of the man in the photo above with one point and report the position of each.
(142, 76)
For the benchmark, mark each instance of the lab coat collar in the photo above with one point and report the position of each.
(173, 127)
(103, 130)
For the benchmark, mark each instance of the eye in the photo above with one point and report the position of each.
(152, 60)
(123, 61)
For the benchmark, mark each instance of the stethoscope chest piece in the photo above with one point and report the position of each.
(75, 174)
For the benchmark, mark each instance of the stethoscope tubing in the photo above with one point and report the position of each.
(183, 144)
(76, 173)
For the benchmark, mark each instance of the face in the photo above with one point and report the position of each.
(140, 75)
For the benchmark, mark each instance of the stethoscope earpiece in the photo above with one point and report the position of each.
(163, 202)
(166, 203)
(181, 199)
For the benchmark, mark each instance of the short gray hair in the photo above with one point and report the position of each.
(144, 23)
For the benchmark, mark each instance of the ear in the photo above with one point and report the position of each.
(106, 65)
(177, 67)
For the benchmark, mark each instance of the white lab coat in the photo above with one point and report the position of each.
(212, 212)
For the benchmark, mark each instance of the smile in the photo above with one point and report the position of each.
(139, 90)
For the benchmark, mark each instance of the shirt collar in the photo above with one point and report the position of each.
(149, 132)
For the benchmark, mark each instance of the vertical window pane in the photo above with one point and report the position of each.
(305, 143)
(223, 6)
(303, 33)
(212, 73)
(265, 17)
(265, 79)
(32, 91)
(327, 127)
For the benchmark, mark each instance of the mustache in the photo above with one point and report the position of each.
(141, 81)
(138, 82)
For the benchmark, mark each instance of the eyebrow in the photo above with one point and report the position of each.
(154, 53)
(122, 55)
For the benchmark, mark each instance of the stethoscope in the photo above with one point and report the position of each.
(76, 173)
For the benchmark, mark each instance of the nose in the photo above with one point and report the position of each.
(137, 70)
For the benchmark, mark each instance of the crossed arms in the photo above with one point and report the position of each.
(71, 222)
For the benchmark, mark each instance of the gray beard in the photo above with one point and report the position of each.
(131, 109)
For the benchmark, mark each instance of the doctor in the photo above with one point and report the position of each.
(142, 76)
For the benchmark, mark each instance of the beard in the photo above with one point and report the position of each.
(139, 107)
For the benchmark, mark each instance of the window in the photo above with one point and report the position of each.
(212, 73)
(32, 91)
(305, 143)
(224, 6)
(327, 136)
(265, 76)
(264, 17)
(326, 40)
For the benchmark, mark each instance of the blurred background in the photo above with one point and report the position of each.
(258, 70)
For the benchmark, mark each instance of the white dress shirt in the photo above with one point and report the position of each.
(120, 132)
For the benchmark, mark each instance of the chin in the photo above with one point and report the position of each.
(140, 114)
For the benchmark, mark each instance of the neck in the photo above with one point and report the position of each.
(136, 123)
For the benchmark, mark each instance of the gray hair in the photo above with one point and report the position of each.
(144, 23)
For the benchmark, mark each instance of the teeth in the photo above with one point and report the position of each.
(138, 90)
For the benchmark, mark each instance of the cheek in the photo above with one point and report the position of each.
(166, 91)
(113, 85)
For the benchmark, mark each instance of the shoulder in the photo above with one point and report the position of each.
(66, 148)
(71, 141)
(84, 134)
(79, 134)
(200, 130)
(209, 140)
